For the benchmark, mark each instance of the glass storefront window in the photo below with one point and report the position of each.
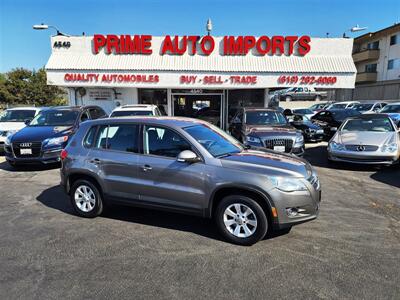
(154, 96)
(244, 98)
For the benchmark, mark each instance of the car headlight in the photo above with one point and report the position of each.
(336, 146)
(392, 147)
(7, 142)
(287, 184)
(299, 139)
(252, 139)
(56, 141)
(333, 128)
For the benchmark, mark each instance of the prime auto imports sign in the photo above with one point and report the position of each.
(241, 45)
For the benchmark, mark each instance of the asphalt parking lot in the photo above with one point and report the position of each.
(352, 251)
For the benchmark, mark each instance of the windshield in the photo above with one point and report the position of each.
(391, 108)
(343, 105)
(265, 118)
(126, 113)
(376, 125)
(17, 115)
(362, 107)
(60, 117)
(343, 114)
(303, 111)
(214, 140)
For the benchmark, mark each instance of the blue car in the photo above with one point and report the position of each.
(393, 111)
(47, 134)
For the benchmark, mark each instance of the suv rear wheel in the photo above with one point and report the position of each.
(86, 199)
(241, 220)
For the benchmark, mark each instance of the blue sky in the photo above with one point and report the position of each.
(20, 46)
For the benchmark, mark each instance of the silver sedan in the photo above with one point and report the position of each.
(366, 139)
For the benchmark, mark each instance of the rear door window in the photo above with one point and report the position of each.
(119, 137)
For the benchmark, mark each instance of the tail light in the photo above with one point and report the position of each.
(64, 154)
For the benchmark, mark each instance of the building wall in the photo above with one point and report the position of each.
(386, 53)
(108, 99)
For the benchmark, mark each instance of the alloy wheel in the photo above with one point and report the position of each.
(240, 220)
(85, 198)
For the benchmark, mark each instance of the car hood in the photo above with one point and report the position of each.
(364, 138)
(306, 125)
(7, 126)
(268, 162)
(40, 133)
(268, 130)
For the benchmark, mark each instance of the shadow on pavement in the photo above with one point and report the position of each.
(318, 157)
(28, 167)
(55, 198)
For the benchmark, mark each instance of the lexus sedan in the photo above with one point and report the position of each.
(366, 139)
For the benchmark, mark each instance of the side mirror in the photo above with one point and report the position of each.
(188, 156)
(27, 122)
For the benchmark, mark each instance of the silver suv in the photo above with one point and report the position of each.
(188, 166)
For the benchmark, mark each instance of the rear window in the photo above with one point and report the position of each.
(127, 113)
(89, 140)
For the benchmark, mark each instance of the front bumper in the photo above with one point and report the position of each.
(306, 202)
(46, 156)
(365, 157)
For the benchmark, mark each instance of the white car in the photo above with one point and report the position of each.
(344, 104)
(304, 112)
(136, 110)
(14, 119)
(369, 107)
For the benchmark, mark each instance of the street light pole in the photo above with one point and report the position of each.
(45, 27)
(354, 29)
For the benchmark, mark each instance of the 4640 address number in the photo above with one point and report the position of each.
(294, 79)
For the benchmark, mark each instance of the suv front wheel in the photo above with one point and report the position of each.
(86, 199)
(241, 220)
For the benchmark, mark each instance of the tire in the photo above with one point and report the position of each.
(288, 98)
(318, 98)
(89, 207)
(250, 230)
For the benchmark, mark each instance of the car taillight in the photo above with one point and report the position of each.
(64, 154)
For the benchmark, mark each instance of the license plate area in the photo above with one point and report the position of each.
(279, 148)
(25, 151)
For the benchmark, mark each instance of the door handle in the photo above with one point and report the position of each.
(95, 161)
(146, 168)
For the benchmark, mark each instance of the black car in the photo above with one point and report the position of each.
(311, 131)
(267, 128)
(47, 134)
(330, 120)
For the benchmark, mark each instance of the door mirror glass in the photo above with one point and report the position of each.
(188, 157)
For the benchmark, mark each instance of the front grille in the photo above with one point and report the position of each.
(35, 146)
(270, 143)
(357, 148)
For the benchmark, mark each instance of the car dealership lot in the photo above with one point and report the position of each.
(350, 251)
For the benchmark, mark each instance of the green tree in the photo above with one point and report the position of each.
(25, 87)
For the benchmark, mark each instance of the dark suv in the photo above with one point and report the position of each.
(47, 134)
(263, 127)
(190, 166)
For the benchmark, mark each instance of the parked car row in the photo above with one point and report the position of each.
(191, 166)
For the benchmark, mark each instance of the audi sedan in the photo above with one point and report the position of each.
(366, 139)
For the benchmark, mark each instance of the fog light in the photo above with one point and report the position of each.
(292, 211)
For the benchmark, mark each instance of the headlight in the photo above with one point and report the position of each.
(336, 146)
(56, 141)
(333, 128)
(288, 184)
(299, 139)
(7, 142)
(252, 139)
(392, 147)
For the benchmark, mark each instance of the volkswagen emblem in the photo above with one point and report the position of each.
(25, 145)
(360, 148)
